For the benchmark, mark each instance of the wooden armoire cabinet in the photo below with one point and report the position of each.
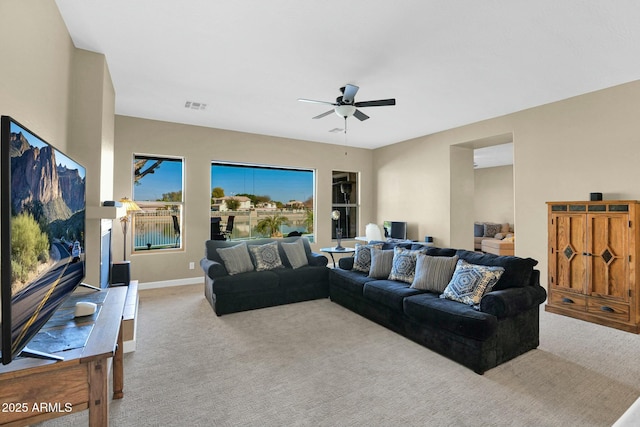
(594, 259)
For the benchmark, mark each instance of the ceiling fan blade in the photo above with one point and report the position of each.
(377, 103)
(316, 102)
(319, 116)
(349, 93)
(360, 115)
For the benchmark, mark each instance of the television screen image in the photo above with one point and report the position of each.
(42, 227)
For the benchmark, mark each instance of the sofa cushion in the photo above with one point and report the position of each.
(391, 243)
(296, 255)
(433, 273)
(497, 247)
(458, 318)
(381, 263)
(389, 293)
(291, 279)
(252, 281)
(517, 271)
(349, 280)
(404, 265)
(266, 257)
(434, 251)
(362, 256)
(470, 282)
(478, 229)
(236, 258)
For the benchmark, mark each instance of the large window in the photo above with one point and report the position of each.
(253, 201)
(157, 189)
(344, 199)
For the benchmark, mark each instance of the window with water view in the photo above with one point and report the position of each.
(157, 189)
(252, 201)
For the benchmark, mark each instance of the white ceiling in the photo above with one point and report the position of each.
(447, 63)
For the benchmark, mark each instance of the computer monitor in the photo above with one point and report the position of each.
(395, 229)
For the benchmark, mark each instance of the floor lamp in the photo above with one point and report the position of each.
(130, 206)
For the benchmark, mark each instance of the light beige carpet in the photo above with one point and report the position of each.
(318, 364)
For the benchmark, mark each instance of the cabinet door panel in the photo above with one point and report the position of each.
(609, 260)
(568, 242)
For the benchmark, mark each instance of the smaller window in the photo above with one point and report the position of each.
(344, 199)
(158, 183)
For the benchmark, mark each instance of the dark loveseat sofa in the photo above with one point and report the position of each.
(229, 293)
(505, 325)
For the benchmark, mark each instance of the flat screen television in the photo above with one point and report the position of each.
(42, 230)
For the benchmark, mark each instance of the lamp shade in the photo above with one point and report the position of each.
(335, 215)
(129, 205)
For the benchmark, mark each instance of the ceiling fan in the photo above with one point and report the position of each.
(345, 105)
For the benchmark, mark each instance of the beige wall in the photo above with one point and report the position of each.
(199, 146)
(91, 129)
(62, 94)
(35, 74)
(562, 151)
(493, 196)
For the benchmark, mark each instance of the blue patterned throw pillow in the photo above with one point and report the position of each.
(362, 257)
(266, 257)
(404, 265)
(470, 282)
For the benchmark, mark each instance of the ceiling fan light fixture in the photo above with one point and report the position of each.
(345, 110)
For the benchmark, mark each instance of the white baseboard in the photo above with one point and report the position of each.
(129, 346)
(168, 283)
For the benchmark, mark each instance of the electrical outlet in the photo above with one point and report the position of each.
(192, 265)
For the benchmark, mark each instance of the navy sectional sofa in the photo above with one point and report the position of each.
(505, 326)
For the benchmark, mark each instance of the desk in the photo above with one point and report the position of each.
(43, 389)
(333, 250)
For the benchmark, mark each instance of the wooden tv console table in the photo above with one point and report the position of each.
(34, 390)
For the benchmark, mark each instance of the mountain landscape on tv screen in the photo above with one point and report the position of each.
(35, 178)
(51, 192)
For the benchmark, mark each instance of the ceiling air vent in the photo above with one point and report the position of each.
(195, 105)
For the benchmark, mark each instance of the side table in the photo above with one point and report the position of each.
(334, 250)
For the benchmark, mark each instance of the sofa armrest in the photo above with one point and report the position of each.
(212, 268)
(511, 301)
(346, 263)
(317, 260)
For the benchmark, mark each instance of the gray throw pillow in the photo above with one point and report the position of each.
(266, 256)
(296, 254)
(491, 229)
(236, 259)
(362, 257)
(433, 273)
(381, 263)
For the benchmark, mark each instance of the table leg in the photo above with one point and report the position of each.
(118, 368)
(333, 259)
(98, 389)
